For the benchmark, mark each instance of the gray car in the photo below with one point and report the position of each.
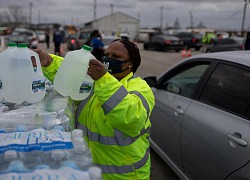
(201, 120)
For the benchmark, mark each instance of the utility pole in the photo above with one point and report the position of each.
(161, 18)
(111, 7)
(191, 20)
(39, 16)
(94, 9)
(244, 15)
(30, 15)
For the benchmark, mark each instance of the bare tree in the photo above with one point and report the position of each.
(177, 24)
(13, 16)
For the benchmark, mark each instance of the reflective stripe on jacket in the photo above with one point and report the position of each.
(115, 121)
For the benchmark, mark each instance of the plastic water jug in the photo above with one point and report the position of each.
(71, 78)
(3, 57)
(21, 81)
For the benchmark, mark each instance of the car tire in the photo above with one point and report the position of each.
(197, 48)
(145, 47)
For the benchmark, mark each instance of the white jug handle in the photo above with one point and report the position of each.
(38, 63)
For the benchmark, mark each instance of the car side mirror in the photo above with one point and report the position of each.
(151, 80)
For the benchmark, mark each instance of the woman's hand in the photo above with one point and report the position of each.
(96, 69)
(45, 58)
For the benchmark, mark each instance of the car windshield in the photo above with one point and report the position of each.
(26, 33)
(107, 41)
(17, 38)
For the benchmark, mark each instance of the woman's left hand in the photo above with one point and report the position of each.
(96, 69)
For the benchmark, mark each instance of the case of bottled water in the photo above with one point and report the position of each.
(46, 153)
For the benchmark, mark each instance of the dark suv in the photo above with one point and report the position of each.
(190, 40)
(76, 41)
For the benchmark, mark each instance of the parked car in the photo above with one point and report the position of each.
(226, 44)
(106, 40)
(164, 43)
(201, 119)
(239, 40)
(76, 41)
(41, 35)
(190, 40)
(3, 43)
(32, 36)
(5, 39)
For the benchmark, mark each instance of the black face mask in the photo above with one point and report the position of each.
(114, 65)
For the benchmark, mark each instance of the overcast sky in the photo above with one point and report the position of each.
(212, 13)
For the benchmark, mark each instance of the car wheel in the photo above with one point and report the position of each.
(208, 51)
(145, 47)
(197, 48)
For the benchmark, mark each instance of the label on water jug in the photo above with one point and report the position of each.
(37, 139)
(45, 174)
(38, 85)
(85, 87)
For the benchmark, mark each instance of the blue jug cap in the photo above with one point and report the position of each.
(22, 45)
(87, 48)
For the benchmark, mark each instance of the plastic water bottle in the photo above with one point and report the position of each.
(57, 157)
(95, 173)
(16, 166)
(82, 156)
(21, 128)
(78, 141)
(71, 78)
(3, 60)
(76, 133)
(21, 82)
(70, 164)
(8, 156)
(31, 159)
(58, 127)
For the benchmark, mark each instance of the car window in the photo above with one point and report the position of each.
(84, 35)
(107, 41)
(185, 81)
(229, 88)
(155, 38)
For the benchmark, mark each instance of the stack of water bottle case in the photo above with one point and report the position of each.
(37, 140)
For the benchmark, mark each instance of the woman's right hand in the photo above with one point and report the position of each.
(45, 58)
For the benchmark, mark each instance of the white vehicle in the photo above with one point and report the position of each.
(106, 40)
(32, 36)
(41, 35)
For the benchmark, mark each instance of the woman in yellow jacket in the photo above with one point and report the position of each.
(115, 117)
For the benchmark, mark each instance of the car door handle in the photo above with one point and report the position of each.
(237, 140)
(179, 110)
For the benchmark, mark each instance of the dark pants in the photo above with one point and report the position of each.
(47, 43)
(57, 48)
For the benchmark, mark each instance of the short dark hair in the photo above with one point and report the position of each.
(133, 51)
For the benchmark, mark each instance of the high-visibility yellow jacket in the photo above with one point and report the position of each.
(116, 125)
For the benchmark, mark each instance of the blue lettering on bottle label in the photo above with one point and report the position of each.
(1, 85)
(85, 87)
(37, 139)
